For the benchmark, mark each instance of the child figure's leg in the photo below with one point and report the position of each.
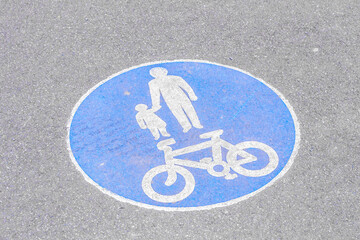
(164, 132)
(155, 133)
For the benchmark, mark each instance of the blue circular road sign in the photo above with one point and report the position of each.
(182, 135)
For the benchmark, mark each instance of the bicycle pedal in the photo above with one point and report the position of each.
(206, 160)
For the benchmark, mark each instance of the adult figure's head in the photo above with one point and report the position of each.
(158, 72)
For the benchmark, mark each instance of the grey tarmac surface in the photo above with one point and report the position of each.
(52, 52)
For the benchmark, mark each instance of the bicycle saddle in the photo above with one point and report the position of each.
(212, 134)
(165, 143)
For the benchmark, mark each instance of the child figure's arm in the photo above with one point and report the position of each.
(140, 121)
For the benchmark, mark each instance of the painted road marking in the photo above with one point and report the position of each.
(182, 135)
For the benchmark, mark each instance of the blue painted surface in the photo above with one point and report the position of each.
(115, 152)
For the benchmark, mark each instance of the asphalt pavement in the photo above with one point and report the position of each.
(53, 52)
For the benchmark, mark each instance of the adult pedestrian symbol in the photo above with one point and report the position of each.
(182, 135)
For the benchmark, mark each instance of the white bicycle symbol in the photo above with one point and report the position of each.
(173, 165)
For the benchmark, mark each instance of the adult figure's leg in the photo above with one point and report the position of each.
(180, 116)
(191, 113)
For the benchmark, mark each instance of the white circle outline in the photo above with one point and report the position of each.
(184, 209)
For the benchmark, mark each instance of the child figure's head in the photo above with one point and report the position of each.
(141, 107)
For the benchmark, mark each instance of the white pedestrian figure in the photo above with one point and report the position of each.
(146, 118)
(177, 95)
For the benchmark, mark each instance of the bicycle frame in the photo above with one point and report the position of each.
(215, 143)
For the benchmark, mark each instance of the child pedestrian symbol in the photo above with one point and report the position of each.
(147, 118)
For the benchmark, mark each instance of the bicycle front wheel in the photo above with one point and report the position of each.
(184, 193)
(239, 150)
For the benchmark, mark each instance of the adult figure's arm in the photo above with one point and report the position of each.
(155, 95)
(184, 85)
